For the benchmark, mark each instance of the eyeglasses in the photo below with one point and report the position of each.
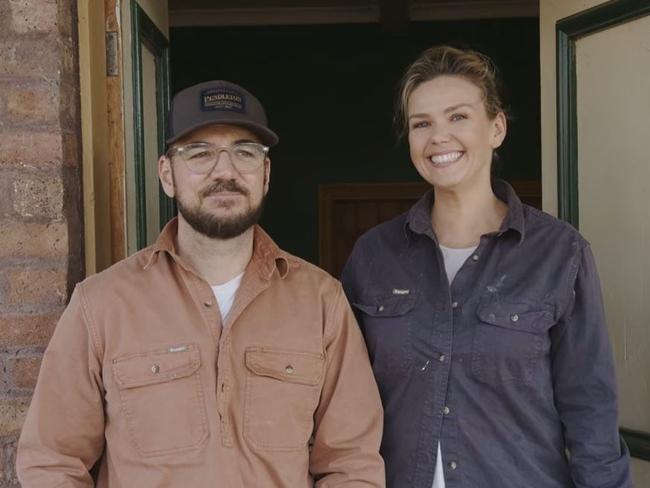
(202, 157)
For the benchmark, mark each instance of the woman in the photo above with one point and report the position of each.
(483, 316)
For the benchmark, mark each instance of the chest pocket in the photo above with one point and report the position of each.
(387, 324)
(510, 338)
(162, 399)
(282, 392)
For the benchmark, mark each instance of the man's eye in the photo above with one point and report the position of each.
(199, 155)
(457, 117)
(245, 153)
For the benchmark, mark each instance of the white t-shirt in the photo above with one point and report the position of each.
(225, 294)
(454, 259)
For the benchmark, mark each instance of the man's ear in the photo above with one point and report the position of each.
(267, 174)
(166, 176)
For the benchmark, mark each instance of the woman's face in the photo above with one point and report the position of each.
(451, 136)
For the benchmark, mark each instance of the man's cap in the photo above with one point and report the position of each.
(217, 102)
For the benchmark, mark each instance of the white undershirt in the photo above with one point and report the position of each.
(454, 259)
(225, 294)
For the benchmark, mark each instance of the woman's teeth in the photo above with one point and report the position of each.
(446, 158)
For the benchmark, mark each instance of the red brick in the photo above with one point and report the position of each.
(20, 239)
(12, 415)
(8, 478)
(24, 371)
(38, 196)
(28, 329)
(38, 287)
(34, 104)
(32, 57)
(33, 15)
(26, 147)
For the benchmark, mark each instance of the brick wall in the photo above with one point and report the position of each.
(41, 247)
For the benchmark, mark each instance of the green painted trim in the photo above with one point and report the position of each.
(568, 31)
(138, 127)
(638, 442)
(144, 31)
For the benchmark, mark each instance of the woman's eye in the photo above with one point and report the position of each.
(457, 117)
(419, 125)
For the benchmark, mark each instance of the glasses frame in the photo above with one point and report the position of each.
(174, 151)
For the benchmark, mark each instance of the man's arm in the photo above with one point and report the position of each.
(63, 434)
(585, 386)
(349, 418)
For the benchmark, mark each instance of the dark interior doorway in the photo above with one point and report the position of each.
(329, 91)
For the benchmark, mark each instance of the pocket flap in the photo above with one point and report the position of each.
(387, 305)
(527, 317)
(291, 366)
(158, 366)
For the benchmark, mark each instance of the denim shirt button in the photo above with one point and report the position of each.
(454, 304)
(446, 410)
(453, 465)
(514, 317)
(441, 358)
(380, 308)
(475, 257)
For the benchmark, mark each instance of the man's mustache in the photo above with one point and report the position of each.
(223, 185)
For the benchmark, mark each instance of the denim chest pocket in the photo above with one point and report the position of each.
(162, 399)
(282, 392)
(387, 322)
(510, 339)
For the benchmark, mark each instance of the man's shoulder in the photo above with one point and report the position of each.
(124, 271)
(299, 268)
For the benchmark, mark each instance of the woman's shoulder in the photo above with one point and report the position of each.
(538, 222)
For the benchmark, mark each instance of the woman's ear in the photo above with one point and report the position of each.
(500, 127)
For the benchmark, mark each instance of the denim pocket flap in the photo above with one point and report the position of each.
(526, 317)
(290, 366)
(158, 366)
(387, 305)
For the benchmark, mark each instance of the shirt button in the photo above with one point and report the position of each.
(453, 465)
(380, 308)
(289, 369)
(155, 369)
(454, 304)
(441, 358)
(475, 257)
(446, 410)
(514, 317)
(208, 303)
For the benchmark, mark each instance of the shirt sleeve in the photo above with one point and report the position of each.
(63, 434)
(349, 418)
(585, 385)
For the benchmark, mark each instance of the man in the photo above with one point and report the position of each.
(212, 358)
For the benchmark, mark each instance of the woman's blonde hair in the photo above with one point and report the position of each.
(446, 60)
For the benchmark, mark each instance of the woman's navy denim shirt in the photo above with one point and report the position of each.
(510, 367)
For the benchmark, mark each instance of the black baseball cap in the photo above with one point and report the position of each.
(217, 102)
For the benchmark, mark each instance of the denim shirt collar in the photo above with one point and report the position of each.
(418, 219)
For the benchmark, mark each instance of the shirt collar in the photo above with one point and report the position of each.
(418, 219)
(267, 256)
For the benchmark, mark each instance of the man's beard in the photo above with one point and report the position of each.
(217, 227)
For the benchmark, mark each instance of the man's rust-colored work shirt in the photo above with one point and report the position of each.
(142, 375)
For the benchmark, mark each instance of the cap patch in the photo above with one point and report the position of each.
(222, 99)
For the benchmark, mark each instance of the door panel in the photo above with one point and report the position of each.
(593, 143)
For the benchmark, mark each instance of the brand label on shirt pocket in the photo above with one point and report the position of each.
(510, 338)
(282, 392)
(162, 399)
